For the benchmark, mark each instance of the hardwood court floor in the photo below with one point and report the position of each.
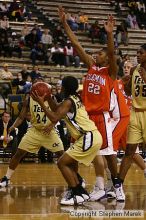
(35, 190)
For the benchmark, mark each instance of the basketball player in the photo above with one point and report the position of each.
(88, 140)
(137, 129)
(34, 138)
(97, 89)
(120, 121)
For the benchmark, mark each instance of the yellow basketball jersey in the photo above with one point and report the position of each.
(138, 90)
(78, 121)
(38, 118)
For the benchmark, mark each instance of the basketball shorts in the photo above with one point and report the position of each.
(86, 147)
(119, 128)
(137, 127)
(103, 124)
(34, 139)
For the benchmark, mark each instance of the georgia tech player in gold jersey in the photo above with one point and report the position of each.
(88, 140)
(137, 126)
(34, 138)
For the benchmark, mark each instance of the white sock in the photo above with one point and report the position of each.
(99, 182)
(9, 173)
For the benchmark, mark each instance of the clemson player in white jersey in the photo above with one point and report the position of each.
(88, 140)
(34, 138)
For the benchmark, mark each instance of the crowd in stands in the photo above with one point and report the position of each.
(136, 17)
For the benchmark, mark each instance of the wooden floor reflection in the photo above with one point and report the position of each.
(35, 192)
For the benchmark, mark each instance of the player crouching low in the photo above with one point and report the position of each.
(82, 129)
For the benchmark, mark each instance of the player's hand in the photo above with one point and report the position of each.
(61, 13)
(142, 73)
(48, 129)
(37, 98)
(109, 24)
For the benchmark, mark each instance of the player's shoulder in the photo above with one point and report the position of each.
(132, 70)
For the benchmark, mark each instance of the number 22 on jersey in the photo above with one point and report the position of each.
(94, 88)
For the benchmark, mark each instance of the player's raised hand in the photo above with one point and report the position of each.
(37, 98)
(109, 24)
(61, 13)
(142, 73)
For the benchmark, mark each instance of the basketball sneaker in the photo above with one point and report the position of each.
(4, 182)
(72, 200)
(110, 192)
(84, 193)
(68, 193)
(120, 196)
(97, 194)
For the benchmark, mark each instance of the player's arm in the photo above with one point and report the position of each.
(53, 103)
(60, 113)
(113, 68)
(54, 116)
(22, 114)
(81, 52)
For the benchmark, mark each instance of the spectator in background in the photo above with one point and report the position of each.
(83, 22)
(4, 23)
(14, 44)
(141, 19)
(23, 86)
(26, 12)
(39, 53)
(136, 60)
(73, 22)
(25, 73)
(71, 55)
(46, 40)
(57, 55)
(58, 36)
(24, 32)
(5, 124)
(15, 11)
(94, 31)
(131, 20)
(4, 44)
(34, 74)
(121, 35)
(141, 5)
(5, 74)
(32, 39)
(4, 9)
(38, 30)
(102, 36)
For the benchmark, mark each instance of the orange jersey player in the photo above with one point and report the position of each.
(121, 116)
(96, 95)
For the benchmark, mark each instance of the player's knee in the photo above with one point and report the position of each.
(130, 150)
(19, 154)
